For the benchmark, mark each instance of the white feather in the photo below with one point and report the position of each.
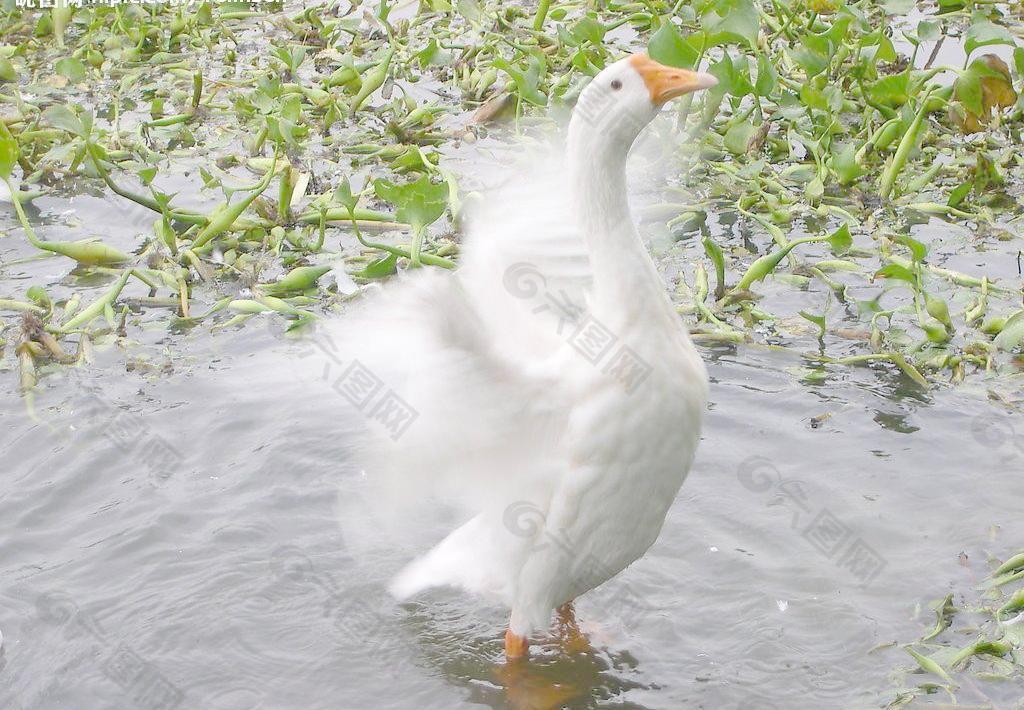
(564, 472)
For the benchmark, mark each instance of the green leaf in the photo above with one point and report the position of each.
(817, 320)
(944, 613)
(813, 54)
(72, 68)
(669, 47)
(840, 240)
(767, 79)
(918, 251)
(385, 266)
(717, 257)
(61, 116)
(812, 98)
(834, 98)
(895, 271)
(1012, 333)
(527, 80)
(840, 29)
(7, 71)
(800, 172)
(590, 30)
(868, 308)
(737, 138)
(983, 33)
(470, 9)
(8, 151)
(959, 194)
(968, 91)
(898, 7)
(732, 21)
(892, 90)
(343, 195)
(732, 79)
(844, 164)
(814, 189)
(431, 54)
(877, 47)
(418, 203)
(928, 30)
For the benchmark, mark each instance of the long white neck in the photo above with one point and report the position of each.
(624, 274)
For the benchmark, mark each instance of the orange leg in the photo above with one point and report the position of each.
(516, 647)
(573, 639)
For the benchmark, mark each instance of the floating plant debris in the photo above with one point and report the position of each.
(844, 171)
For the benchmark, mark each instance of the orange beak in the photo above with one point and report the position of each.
(665, 82)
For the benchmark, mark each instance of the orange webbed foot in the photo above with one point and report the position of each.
(572, 638)
(516, 647)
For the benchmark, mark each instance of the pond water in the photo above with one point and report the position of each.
(181, 538)
(181, 523)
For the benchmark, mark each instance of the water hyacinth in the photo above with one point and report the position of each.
(301, 278)
(840, 135)
(848, 198)
(950, 660)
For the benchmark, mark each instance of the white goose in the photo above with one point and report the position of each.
(557, 394)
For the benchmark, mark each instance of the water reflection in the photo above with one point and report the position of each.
(238, 581)
(894, 422)
(564, 670)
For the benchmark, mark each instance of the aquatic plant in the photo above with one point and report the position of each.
(977, 644)
(817, 183)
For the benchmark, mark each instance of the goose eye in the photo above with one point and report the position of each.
(616, 84)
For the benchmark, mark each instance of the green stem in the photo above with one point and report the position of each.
(430, 259)
(899, 158)
(542, 13)
(96, 308)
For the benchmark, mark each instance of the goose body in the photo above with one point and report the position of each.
(557, 395)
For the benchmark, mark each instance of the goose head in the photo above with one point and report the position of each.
(620, 101)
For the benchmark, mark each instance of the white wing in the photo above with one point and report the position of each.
(450, 418)
(459, 379)
(525, 265)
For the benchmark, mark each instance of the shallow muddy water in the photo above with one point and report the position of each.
(188, 540)
(182, 527)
